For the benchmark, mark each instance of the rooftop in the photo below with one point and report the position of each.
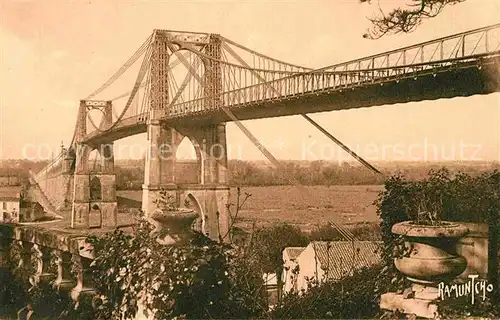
(342, 258)
(10, 193)
(294, 252)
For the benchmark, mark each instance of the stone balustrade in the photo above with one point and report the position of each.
(49, 256)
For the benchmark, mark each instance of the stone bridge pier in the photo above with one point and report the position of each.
(94, 184)
(210, 196)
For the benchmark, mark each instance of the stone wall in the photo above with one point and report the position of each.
(474, 248)
(187, 172)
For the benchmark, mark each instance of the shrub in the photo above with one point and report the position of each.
(197, 279)
(351, 298)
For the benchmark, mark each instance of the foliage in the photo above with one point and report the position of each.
(225, 280)
(269, 243)
(130, 178)
(206, 279)
(48, 301)
(366, 231)
(460, 307)
(233, 217)
(12, 293)
(406, 19)
(267, 247)
(351, 298)
(168, 279)
(458, 197)
(199, 278)
(18, 290)
(83, 309)
(166, 201)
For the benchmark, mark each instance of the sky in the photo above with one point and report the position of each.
(54, 53)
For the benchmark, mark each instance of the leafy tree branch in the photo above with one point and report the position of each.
(405, 19)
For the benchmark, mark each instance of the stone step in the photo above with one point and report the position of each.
(418, 307)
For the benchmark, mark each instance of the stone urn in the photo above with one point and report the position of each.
(172, 226)
(432, 256)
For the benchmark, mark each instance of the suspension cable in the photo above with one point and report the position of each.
(140, 76)
(261, 55)
(343, 231)
(174, 64)
(338, 142)
(344, 147)
(124, 68)
(185, 83)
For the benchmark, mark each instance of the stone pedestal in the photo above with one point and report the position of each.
(419, 307)
(418, 300)
(431, 258)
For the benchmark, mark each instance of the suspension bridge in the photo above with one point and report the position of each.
(189, 84)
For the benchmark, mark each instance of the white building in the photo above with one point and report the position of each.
(290, 255)
(271, 284)
(327, 260)
(10, 199)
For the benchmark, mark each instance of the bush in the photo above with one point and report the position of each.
(268, 245)
(351, 298)
(366, 231)
(13, 294)
(197, 279)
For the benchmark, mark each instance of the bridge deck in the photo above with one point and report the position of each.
(463, 78)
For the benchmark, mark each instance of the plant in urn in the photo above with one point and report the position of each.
(429, 253)
(172, 224)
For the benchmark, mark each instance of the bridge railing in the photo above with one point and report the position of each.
(52, 166)
(399, 63)
(479, 41)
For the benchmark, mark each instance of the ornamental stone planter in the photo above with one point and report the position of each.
(173, 226)
(433, 255)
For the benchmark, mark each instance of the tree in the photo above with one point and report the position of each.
(405, 19)
(267, 247)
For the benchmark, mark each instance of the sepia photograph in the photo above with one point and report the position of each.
(230, 159)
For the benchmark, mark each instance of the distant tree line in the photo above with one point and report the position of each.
(19, 167)
(248, 173)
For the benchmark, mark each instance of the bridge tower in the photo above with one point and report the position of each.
(211, 193)
(94, 186)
